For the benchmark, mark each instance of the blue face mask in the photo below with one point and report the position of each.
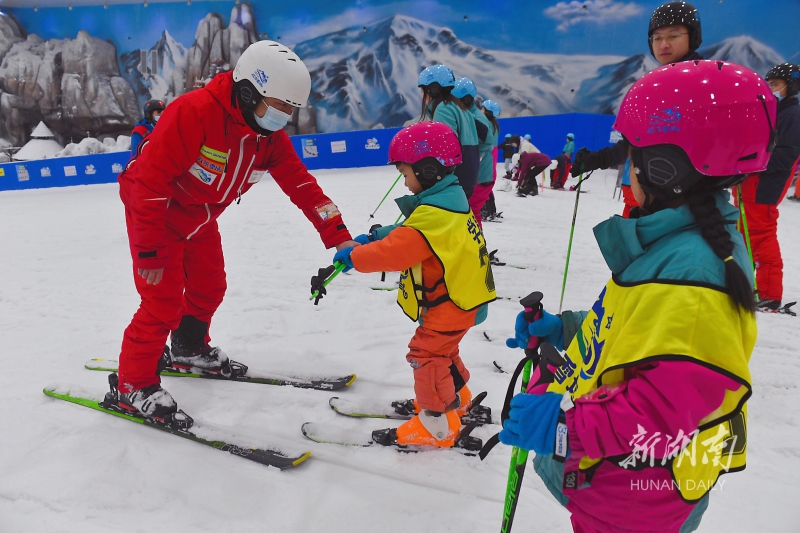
(273, 119)
(778, 95)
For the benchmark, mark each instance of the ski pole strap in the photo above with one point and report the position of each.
(320, 281)
(495, 439)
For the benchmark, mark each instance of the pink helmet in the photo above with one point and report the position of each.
(722, 116)
(425, 139)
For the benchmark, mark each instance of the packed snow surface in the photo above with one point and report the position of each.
(67, 295)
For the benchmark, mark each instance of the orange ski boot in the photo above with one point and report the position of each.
(430, 429)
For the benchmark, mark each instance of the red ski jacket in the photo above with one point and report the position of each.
(200, 159)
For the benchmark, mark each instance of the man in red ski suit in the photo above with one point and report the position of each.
(761, 193)
(212, 145)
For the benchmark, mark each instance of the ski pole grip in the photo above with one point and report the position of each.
(533, 311)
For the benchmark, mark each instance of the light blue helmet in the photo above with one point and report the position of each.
(437, 74)
(493, 107)
(508, 135)
(569, 136)
(527, 137)
(464, 87)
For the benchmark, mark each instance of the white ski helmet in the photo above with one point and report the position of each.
(273, 71)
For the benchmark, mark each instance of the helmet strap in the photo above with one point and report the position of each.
(773, 130)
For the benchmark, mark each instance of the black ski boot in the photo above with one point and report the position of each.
(190, 352)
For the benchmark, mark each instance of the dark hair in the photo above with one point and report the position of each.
(437, 95)
(493, 120)
(713, 228)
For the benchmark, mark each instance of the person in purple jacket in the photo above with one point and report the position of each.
(531, 164)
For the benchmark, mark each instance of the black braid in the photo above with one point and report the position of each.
(713, 229)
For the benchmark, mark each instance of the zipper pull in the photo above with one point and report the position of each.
(258, 143)
(239, 197)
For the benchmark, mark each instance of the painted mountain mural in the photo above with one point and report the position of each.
(366, 76)
(363, 77)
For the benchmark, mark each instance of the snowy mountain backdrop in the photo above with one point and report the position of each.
(363, 76)
(366, 76)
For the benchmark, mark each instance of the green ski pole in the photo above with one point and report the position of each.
(571, 233)
(743, 217)
(519, 457)
(384, 197)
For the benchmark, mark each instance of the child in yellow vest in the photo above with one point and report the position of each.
(446, 279)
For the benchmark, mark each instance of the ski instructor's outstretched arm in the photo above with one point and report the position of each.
(211, 146)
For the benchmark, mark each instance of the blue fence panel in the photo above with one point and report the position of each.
(323, 150)
(549, 132)
(346, 149)
(62, 171)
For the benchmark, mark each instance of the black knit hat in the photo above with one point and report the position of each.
(674, 13)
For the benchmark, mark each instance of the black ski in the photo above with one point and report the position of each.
(784, 310)
(268, 456)
(239, 373)
(329, 434)
(404, 409)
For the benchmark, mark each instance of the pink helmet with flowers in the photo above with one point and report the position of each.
(425, 139)
(696, 119)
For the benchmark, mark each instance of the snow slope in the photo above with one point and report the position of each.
(67, 295)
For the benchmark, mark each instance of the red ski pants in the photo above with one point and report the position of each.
(479, 196)
(629, 199)
(193, 284)
(559, 177)
(431, 354)
(762, 224)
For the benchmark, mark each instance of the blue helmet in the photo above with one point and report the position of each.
(527, 137)
(437, 74)
(569, 136)
(508, 135)
(494, 108)
(464, 87)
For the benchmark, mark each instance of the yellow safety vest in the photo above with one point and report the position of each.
(458, 242)
(633, 324)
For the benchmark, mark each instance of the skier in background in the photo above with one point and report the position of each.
(439, 105)
(508, 148)
(761, 193)
(650, 403)
(531, 164)
(213, 144)
(558, 176)
(674, 35)
(143, 128)
(487, 130)
(491, 110)
(445, 284)
(525, 145)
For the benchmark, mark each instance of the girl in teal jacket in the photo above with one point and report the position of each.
(439, 105)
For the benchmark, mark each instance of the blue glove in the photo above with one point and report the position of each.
(343, 256)
(532, 422)
(549, 328)
(362, 239)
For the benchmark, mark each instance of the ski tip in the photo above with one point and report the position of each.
(350, 379)
(498, 367)
(301, 459)
(485, 336)
(331, 402)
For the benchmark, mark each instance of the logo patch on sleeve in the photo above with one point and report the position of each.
(327, 211)
(256, 175)
(209, 166)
